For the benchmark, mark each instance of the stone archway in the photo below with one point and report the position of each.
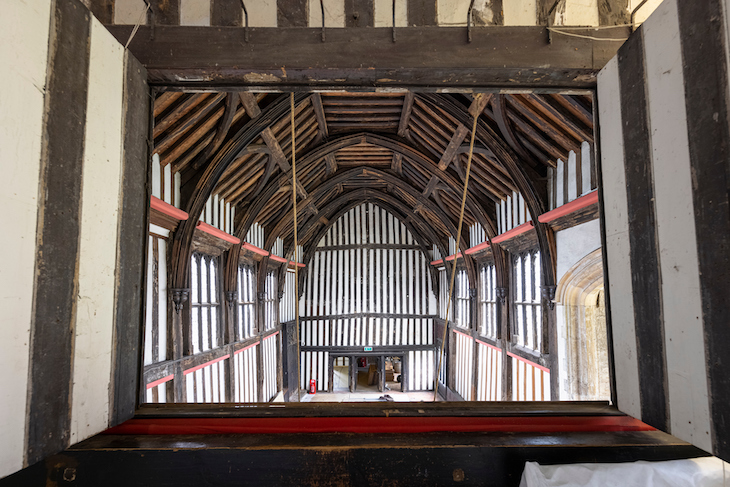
(582, 331)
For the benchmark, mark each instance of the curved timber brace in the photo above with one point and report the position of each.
(399, 210)
(510, 162)
(183, 237)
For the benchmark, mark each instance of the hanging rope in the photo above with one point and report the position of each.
(296, 267)
(453, 269)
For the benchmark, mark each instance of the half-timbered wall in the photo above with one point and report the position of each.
(270, 350)
(462, 362)
(368, 285)
(512, 213)
(379, 13)
(245, 374)
(73, 227)
(573, 178)
(287, 310)
(165, 184)
(664, 143)
(157, 337)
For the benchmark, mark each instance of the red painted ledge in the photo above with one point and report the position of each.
(568, 208)
(529, 362)
(245, 348)
(437, 262)
(254, 249)
(298, 264)
(277, 258)
(166, 208)
(513, 233)
(214, 426)
(216, 232)
(457, 256)
(206, 364)
(477, 248)
(160, 381)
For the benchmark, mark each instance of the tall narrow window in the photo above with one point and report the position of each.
(527, 324)
(245, 317)
(461, 299)
(270, 319)
(204, 303)
(488, 301)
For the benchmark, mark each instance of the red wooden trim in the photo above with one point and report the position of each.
(568, 208)
(160, 381)
(255, 249)
(477, 248)
(545, 369)
(451, 257)
(201, 366)
(437, 262)
(215, 426)
(216, 232)
(461, 333)
(269, 336)
(277, 258)
(166, 208)
(489, 345)
(245, 348)
(513, 233)
(298, 264)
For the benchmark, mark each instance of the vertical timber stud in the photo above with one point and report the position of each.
(706, 80)
(421, 12)
(613, 12)
(359, 13)
(229, 274)
(261, 324)
(132, 243)
(103, 10)
(165, 12)
(502, 267)
(226, 13)
(645, 272)
(57, 248)
(474, 327)
(292, 13)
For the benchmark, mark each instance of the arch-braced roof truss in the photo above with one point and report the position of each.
(410, 148)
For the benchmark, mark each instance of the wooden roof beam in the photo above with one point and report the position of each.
(397, 164)
(405, 114)
(459, 135)
(319, 114)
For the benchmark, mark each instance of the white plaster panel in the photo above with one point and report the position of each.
(575, 243)
(334, 13)
(681, 300)
(98, 236)
(384, 13)
(195, 12)
(522, 12)
(617, 241)
(452, 12)
(130, 12)
(645, 11)
(24, 29)
(581, 12)
(261, 13)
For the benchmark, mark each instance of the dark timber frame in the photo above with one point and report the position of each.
(569, 67)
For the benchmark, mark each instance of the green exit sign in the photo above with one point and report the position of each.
(368, 349)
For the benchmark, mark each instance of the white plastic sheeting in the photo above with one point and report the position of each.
(696, 472)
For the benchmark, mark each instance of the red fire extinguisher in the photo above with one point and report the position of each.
(312, 386)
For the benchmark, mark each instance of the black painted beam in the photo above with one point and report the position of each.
(297, 57)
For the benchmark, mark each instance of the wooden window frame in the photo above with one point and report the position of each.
(518, 283)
